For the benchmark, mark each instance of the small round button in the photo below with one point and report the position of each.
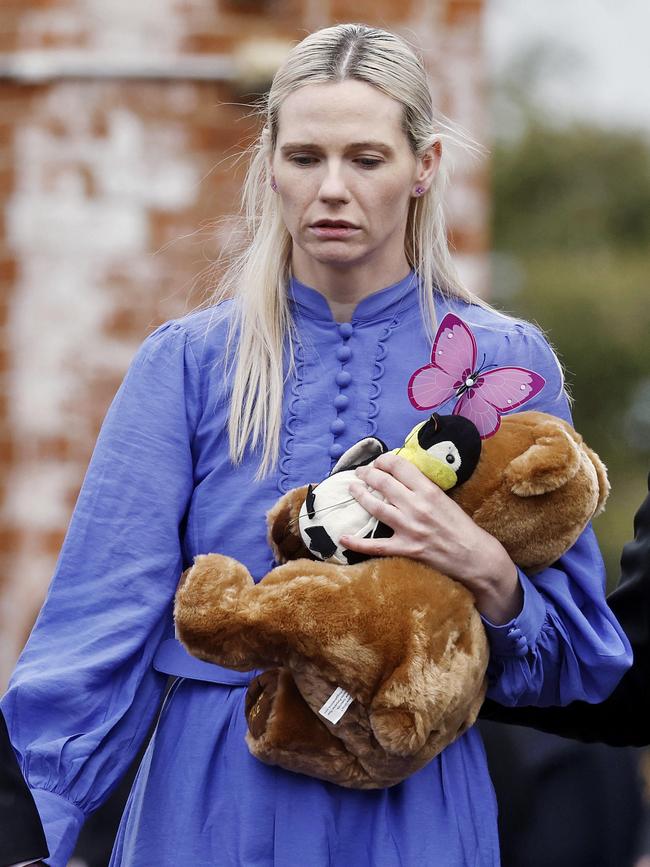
(343, 378)
(336, 450)
(341, 401)
(337, 426)
(345, 330)
(343, 353)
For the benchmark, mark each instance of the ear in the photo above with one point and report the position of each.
(283, 531)
(547, 465)
(428, 164)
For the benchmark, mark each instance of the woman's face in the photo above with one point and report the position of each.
(341, 155)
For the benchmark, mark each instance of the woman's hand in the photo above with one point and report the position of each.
(430, 527)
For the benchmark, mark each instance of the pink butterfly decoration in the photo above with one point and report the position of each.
(484, 395)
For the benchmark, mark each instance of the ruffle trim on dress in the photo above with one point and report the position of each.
(291, 420)
(380, 367)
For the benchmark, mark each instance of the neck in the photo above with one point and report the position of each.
(345, 287)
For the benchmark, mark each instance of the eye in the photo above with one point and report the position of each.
(447, 453)
(302, 160)
(369, 162)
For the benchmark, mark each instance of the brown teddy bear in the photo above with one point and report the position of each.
(373, 668)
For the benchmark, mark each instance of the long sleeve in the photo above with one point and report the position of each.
(84, 694)
(623, 719)
(565, 644)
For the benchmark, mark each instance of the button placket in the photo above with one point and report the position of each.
(343, 379)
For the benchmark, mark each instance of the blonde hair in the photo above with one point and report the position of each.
(256, 278)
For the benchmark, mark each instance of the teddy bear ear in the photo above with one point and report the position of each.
(603, 481)
(547, 465)
(282, 523)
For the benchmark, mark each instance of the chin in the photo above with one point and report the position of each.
(336, 254)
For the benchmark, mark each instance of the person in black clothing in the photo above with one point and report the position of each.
(16, 800)
(624, 718)
(564, 803)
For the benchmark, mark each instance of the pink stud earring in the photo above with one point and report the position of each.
(419, 191)
(274, 186)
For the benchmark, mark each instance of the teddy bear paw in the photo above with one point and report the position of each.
(399, 731)
(209, 613)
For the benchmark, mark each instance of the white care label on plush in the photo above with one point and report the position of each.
(336, 705)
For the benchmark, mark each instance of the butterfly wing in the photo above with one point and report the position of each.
(485, 416)
(453, 357)
(496, 392)
(507, 388)
(454, 347)
(430, 386)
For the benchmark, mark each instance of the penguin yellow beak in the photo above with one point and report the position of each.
(433, 469)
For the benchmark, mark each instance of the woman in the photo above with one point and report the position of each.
(335, 302)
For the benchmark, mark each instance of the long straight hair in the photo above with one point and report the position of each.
(261, 335)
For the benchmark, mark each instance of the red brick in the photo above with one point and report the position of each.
(463, 12)
(122, 323)
(8, 39)
(7, 450)
(23, 7)
(207, 43)
(17, 102)
(4, 312)
(268, 15)
(10, 538)
(53, 448)
(8, 271)
(378, 13)
(469, 241)
(50, 41)
(7, 131)
(50, 542)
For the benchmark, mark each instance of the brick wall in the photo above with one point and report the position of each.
(117, 131)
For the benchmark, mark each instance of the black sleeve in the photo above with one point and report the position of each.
(624, 718)
(28, 839)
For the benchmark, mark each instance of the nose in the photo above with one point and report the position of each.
(333, 187)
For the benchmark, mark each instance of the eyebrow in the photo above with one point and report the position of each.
(353, 146)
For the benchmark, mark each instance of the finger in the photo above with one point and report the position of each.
(387, 485)
(384, 512)
(371, 547)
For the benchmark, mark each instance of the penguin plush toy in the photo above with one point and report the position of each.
(446, 448)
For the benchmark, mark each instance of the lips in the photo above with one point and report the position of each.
(333, 224)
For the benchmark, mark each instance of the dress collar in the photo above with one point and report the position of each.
(379, 305)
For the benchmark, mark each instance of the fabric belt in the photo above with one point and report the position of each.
(172, 658)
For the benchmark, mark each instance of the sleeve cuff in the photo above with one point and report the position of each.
(62, 823)
(518, 636)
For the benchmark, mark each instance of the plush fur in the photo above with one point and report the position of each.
(405, 641)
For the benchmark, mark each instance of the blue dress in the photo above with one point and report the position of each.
(159, 490)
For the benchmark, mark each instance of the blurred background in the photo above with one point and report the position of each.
(121, 124)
